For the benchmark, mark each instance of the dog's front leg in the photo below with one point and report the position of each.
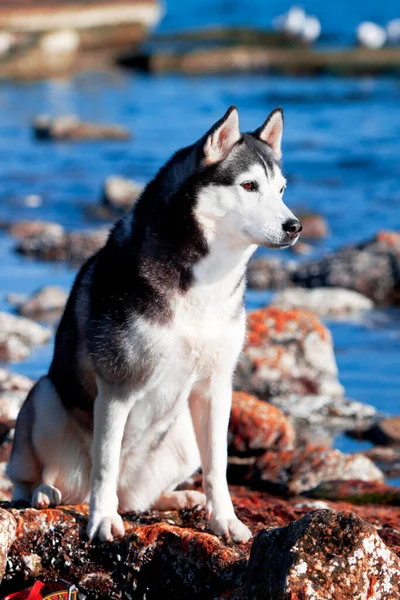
(111, 410)
(210, 409)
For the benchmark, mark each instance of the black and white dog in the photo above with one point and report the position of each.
(139, 390)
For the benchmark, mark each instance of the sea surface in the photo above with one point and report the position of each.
(341, 156)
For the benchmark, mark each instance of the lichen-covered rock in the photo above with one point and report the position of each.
(171, 553)
(13, 391)
(325, 302)
(287, 352)
(74, 247)
(70, 127)
(323, 556)
(45, 304)
(300, 470)
(18, 335)
(256, 426)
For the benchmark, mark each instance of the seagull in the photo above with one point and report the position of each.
(291, 23)
(371, 35)
(393, 31)
(311, 30)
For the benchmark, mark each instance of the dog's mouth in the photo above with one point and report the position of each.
(280, 245)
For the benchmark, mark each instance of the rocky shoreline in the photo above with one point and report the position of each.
(324, 522)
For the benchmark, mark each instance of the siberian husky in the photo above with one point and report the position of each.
(138, 394)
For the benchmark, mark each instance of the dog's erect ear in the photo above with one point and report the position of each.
(222, 137)
(271, 132)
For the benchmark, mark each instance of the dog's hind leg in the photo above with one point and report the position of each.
(24, 468)
(166, 466)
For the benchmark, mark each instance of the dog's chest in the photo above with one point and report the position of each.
(205, 329)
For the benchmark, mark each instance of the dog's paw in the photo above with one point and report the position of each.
(105, 527)
(231, 529)
(45, 496)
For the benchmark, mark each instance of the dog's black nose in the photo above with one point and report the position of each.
(292, 227)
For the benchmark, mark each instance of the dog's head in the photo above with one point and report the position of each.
(242, 185)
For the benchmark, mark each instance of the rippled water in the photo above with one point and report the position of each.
(341, 152)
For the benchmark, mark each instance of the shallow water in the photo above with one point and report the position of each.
(342, 159)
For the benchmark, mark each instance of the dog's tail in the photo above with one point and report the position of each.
(24, 467)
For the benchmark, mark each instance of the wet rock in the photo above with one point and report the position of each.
(26, 229)
(325, 302)
(287, 352)
(386, 458)
(13, 391)
(18, 335)
(385, 432)
(317, 418)
(356, 491)
(70, 127)
(46, 304)
(120, 194)
(256, 426)
(371, 268)
(314, 226)
(74, 247)
(272, 274)
(300, 470)
(323, 556)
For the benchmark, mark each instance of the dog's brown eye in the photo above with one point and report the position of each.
(282, 189)
(249, 186)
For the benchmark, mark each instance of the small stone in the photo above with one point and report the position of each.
(120, 194)
(18, 335)
(48, 302)
(296, 471)
(386, 458)
(25, 229)
(325, 302)
(13, 390)
(314, 226)
(272, 274)
(74, 247)
(384, 433)
(70, 127)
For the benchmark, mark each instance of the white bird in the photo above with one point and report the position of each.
(393, 31)
(371, 35)
(311, 30)
(6, 41)
(291, 23)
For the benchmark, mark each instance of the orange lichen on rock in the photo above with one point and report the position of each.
(265, 321)
(389, 238)
(256, 426)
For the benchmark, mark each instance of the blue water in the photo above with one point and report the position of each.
(341, 152)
